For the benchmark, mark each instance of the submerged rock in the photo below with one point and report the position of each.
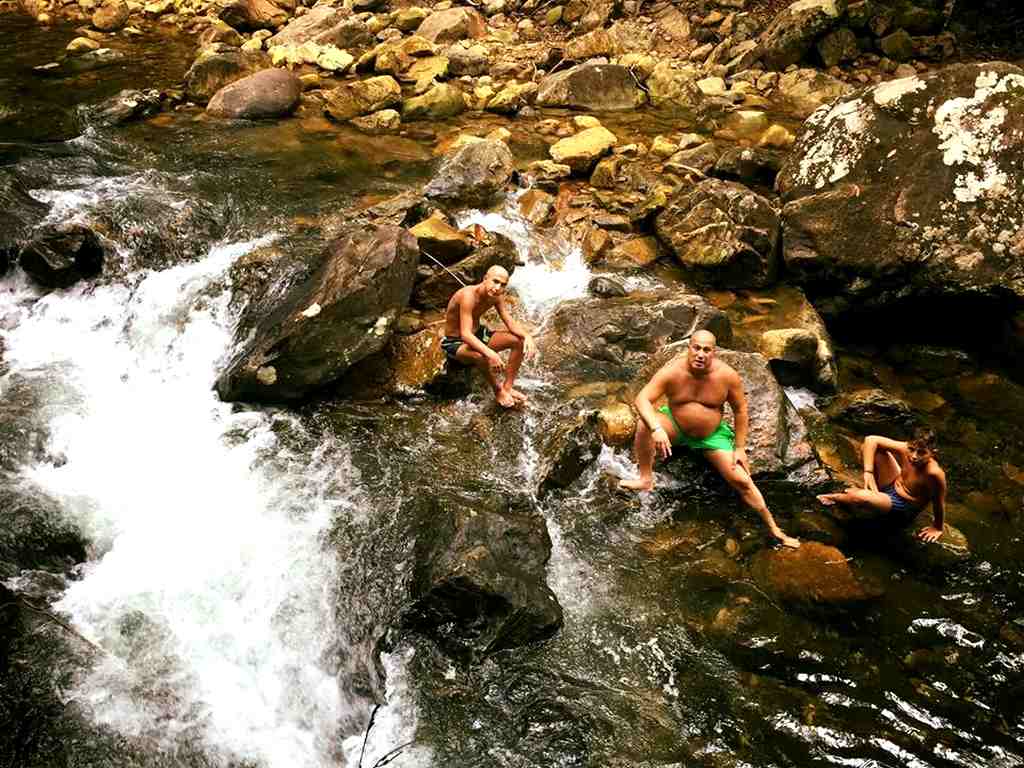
(479, 584)
(814, 574)
(474, 175)
(36, 533)
(126, 106)
(567, 452)
(21, 213)
(267, 94)
(343, 313)
(60, 256)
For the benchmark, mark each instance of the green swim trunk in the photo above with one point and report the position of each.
(719, 440)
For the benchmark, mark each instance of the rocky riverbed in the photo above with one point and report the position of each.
(252, 519)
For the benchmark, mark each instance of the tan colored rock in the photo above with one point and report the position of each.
(582, 151)
(776, 136)
(380, 122)
(409, 19)
(634, 252)
(596, 243)
(616, 424)
(441, 240)
(586, 121)
(512, 98)
(362, 97)
(425, 70)
(499, 134)
(441, 101)
(111, 15)
(254, 46)
(158, 8)
(81, 45)
(333, 59)
(536, 206)
(452, 25)
(814, 574)
(606, 172)
(663, 147)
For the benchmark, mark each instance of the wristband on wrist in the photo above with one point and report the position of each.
(868, 472)
(658, 428)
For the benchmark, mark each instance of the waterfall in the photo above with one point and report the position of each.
(211, 592)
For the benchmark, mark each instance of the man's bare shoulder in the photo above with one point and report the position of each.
(724, 372)
(935, 472)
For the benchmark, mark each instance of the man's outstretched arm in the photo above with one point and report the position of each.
(529, 346)
(738, 402)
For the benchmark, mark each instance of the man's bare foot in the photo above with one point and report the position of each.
(786, 541)
(827, 499)
(505, 400)
(519, 396)
(640, 484)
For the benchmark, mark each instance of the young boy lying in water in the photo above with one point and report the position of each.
(901, 478)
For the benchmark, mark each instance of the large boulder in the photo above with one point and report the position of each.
(267, 94)
(346, 311)
(251, 15)
(60, 256)
(592, 87)
(452, 25)
(814, 575)
(791, 35)
(220, 65)
(436, 290)
(931, 168)
(475, 174)
(361, 97)
(479, 581)
(673, 89)
(723, 230)
(612, 339)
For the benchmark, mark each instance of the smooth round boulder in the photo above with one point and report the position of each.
(265, 95)
(474, 175)
(111, 16)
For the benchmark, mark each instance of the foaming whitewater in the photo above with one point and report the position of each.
(553, 270)
(211, 594)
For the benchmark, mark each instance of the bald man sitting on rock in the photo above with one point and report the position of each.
(468, 342)
(697, 388)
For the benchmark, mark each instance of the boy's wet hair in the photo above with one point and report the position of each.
(924, 437)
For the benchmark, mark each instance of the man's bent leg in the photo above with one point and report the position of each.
(736, 476)
(471, 357)
(502, 340)
(643, 448)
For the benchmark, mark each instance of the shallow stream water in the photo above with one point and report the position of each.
(248, 561)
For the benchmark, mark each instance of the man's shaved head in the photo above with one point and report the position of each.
(704, 337)
(497, 271)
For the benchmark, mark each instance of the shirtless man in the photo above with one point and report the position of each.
(697, 389)
(901, 478)
(470, 343)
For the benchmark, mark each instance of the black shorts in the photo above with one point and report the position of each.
(451, 344)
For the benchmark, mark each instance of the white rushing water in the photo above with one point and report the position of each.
(211, 592)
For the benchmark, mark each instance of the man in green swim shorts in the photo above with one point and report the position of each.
(697, 388)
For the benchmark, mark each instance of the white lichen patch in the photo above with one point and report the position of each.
(894, 90)
(311, 311)
(971, 133)
(839, 143)
(381, 326)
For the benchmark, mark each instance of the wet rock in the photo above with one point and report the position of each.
(582, 151)
(937, 191)
(567, 451)
(815, 526)
(126, 106)
(791, 35)
(605, 287)
(435, 291)
(251, 15)
(218, 66)
(398, 57)
(674, 89)
(452, 25)
(21, 213)
(37, 533)
(512, 98)
(264, 95)
(713, 570)
(479, 583)
(474, 175)
(111, 16)
(441, 240)
(800, 357)
(612, 339)
(536, 206)
(59, 256)
(838, 46)
(814, 574)
(874, 411)
(361, 97)
(219, 32)
(936, 47)
(952, 548)
(802, 91)
(343, 313)
(441, 101)
(87, 62)
(591, 87)
(379, 122)
(755, 166)
(81, 45)
(724, 230)
(324, 25)
(699, 160)
(616, 424)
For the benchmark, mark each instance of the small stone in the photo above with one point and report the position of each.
(582, 122)
(662, 147)
(777, 136)
(81, 45)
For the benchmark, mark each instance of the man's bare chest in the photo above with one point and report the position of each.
(709, 392)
